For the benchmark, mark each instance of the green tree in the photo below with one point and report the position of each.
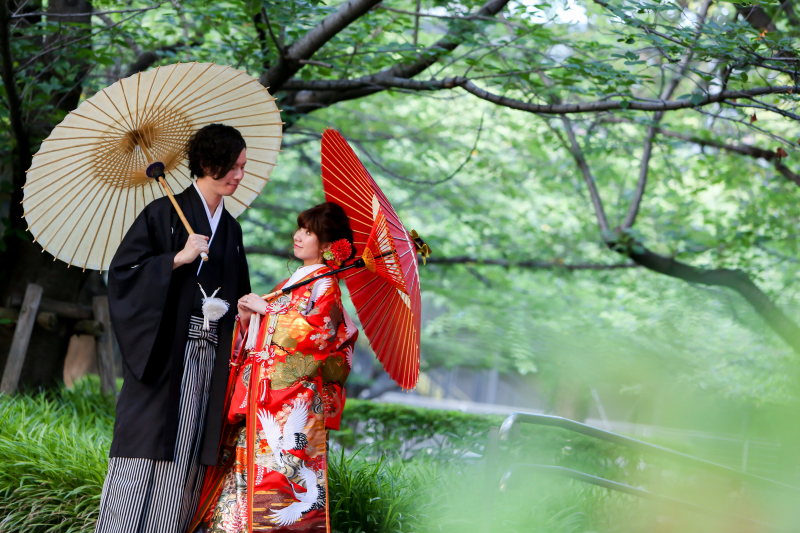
(652, 131)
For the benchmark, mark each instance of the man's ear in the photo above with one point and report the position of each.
(206, 173)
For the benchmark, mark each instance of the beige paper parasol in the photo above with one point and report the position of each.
(87, 183)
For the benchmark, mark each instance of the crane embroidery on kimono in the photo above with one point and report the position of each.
(291, 436)
(312, 498)
(348, 356)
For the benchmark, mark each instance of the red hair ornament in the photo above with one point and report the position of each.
(340, 252)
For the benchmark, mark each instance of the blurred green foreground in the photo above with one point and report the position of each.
(397, 469)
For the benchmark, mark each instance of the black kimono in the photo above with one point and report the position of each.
(151, 305)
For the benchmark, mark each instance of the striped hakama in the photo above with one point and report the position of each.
(149, 496)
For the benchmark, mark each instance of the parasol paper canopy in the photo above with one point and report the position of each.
(386, 297)
(87, 183)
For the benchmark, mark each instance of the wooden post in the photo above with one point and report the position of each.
(105, 346)
(22, 338)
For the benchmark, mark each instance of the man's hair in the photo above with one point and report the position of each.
(214, 149)
(329, 223)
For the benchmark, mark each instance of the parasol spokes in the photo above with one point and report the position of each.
(380, 254)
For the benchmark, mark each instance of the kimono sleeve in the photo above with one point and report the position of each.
(335, 373)
(244, 271)
(239, 333)
(323, 320)
(336, 368)
(138, 286)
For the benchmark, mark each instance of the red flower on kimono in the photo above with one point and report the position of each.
(267, 356)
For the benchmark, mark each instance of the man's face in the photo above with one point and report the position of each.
(226, 185)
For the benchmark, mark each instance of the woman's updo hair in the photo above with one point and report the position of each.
(214, 149)
(329, 223)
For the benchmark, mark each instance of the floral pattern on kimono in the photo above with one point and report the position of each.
(284, 396)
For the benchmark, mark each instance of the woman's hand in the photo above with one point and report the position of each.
(195, 244)
(244, 315)
(252, 303)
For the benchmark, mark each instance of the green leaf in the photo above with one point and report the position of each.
(253, 6)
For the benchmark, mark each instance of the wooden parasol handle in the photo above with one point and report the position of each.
(180, 212)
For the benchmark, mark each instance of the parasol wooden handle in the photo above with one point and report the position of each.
(270, 296)
(180, 212)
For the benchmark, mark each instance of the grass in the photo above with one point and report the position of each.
(54, 449)
(54, 454)
(53, 457)
(377, 495)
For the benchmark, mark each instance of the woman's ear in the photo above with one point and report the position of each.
(326, 247)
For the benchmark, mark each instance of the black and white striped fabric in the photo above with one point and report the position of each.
(148, 496)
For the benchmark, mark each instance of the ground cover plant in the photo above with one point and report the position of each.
(54, 445)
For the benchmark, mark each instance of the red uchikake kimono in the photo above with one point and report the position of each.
(283, 398)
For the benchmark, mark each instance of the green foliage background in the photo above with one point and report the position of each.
(490, 183)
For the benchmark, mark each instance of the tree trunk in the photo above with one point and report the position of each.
(23, 261)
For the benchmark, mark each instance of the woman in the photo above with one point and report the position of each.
(285, 394)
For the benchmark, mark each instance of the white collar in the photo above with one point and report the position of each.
(300, 273)
(213, 221)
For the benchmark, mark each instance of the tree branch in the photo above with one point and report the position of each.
(580, 160)
(79, 39)
(375, 83)
(448, 17)
(148, 59)
(742, 149)
(644, 168)
(788, 174)
(365, 86)
(737, 280)
(666, 94)
(638, 23)
(95, 13)
(638, 105)
(272, 36)
(467, 260)
(289, 61)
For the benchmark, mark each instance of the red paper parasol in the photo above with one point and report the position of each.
(386, 298)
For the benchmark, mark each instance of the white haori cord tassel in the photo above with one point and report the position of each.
(213, 308)
(252, 331)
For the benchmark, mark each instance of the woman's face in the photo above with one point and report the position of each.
(306, 246)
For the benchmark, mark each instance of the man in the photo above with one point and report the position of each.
(170, 408)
